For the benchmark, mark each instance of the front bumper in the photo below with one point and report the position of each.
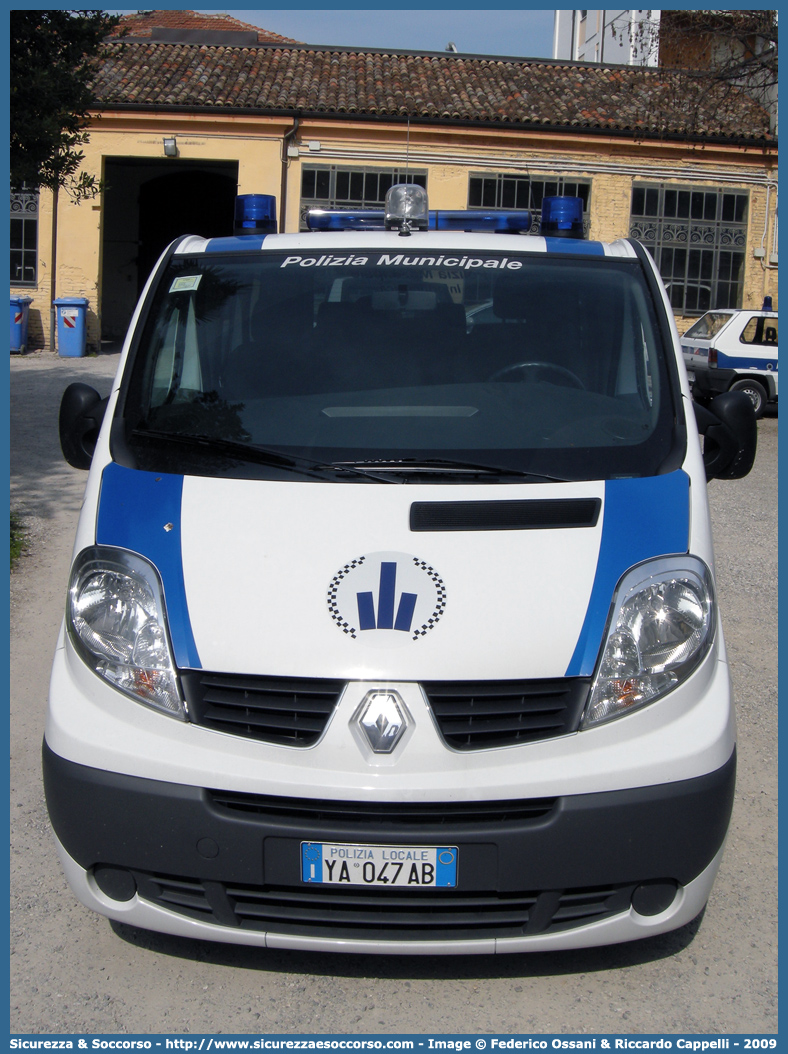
(573, 871)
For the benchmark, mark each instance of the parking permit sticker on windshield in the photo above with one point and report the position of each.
(185, 283)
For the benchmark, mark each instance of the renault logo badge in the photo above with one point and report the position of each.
(383, 720)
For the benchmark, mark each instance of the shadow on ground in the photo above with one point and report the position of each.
(42, 484)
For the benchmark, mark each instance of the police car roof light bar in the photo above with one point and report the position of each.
(499, 221)
(342, 220)
(512, 222)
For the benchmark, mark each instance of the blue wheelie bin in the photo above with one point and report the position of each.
(20, 308)
(71, 327)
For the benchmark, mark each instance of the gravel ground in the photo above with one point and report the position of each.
(74, 972)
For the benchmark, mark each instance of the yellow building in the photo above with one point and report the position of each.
(190, 115)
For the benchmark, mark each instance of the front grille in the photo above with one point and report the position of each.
(286, 710)
(371, 815)
(475, 715)
(374, 914)
(472, 715)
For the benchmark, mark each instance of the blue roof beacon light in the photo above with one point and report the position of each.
(406, 208)
(255, 214)
(767, 304)
(562, 217)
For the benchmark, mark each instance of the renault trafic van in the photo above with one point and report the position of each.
(392, 625)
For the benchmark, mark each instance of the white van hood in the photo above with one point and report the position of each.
(329, 580)
(273, 573)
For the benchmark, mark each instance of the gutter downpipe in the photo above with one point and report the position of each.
(283, 190)
(602, 43)
(53, 272)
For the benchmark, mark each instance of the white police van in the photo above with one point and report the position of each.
(734, 351)
(391, 624)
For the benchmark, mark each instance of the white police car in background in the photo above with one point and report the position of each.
(386, 631)
(734, 351)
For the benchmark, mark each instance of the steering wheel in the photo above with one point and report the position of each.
(565, 376)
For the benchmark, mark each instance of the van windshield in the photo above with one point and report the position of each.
(522, 361)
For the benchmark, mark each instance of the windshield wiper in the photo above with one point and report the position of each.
(260, 455)
(384, 470)
(449, 466)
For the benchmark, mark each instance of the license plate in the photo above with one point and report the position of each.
(414, 867)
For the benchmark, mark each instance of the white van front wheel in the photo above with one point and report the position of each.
(755, 391)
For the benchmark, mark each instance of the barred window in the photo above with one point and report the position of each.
(334, 187)
(504, 191)
(698, 237)
(24, 237)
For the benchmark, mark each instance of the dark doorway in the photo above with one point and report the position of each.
(147, 202)
(182, 203)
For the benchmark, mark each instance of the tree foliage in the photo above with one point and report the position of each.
(717, 55)
(52, 55)
(731, 44)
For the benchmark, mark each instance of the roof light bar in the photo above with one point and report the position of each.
(500, 221)
(513, 221)
(406, 210)
(341, 220)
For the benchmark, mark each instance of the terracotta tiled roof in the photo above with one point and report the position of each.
(437, 87)
(143, 23)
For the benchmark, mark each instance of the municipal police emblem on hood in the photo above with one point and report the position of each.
(386, 599)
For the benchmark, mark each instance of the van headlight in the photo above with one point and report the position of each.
(661, 626)
(116, 619)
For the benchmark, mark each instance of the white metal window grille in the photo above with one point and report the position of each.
(24, 237)
(698, 237)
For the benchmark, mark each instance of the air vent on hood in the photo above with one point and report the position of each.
(504, 515)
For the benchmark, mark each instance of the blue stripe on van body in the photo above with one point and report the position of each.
(747, 362)
(238, 243)
(643, 518)
(576, 246)
(141, 511)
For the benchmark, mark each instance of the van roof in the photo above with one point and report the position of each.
(421, 242)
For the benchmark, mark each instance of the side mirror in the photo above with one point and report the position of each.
(730, 433)
(81, 413)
